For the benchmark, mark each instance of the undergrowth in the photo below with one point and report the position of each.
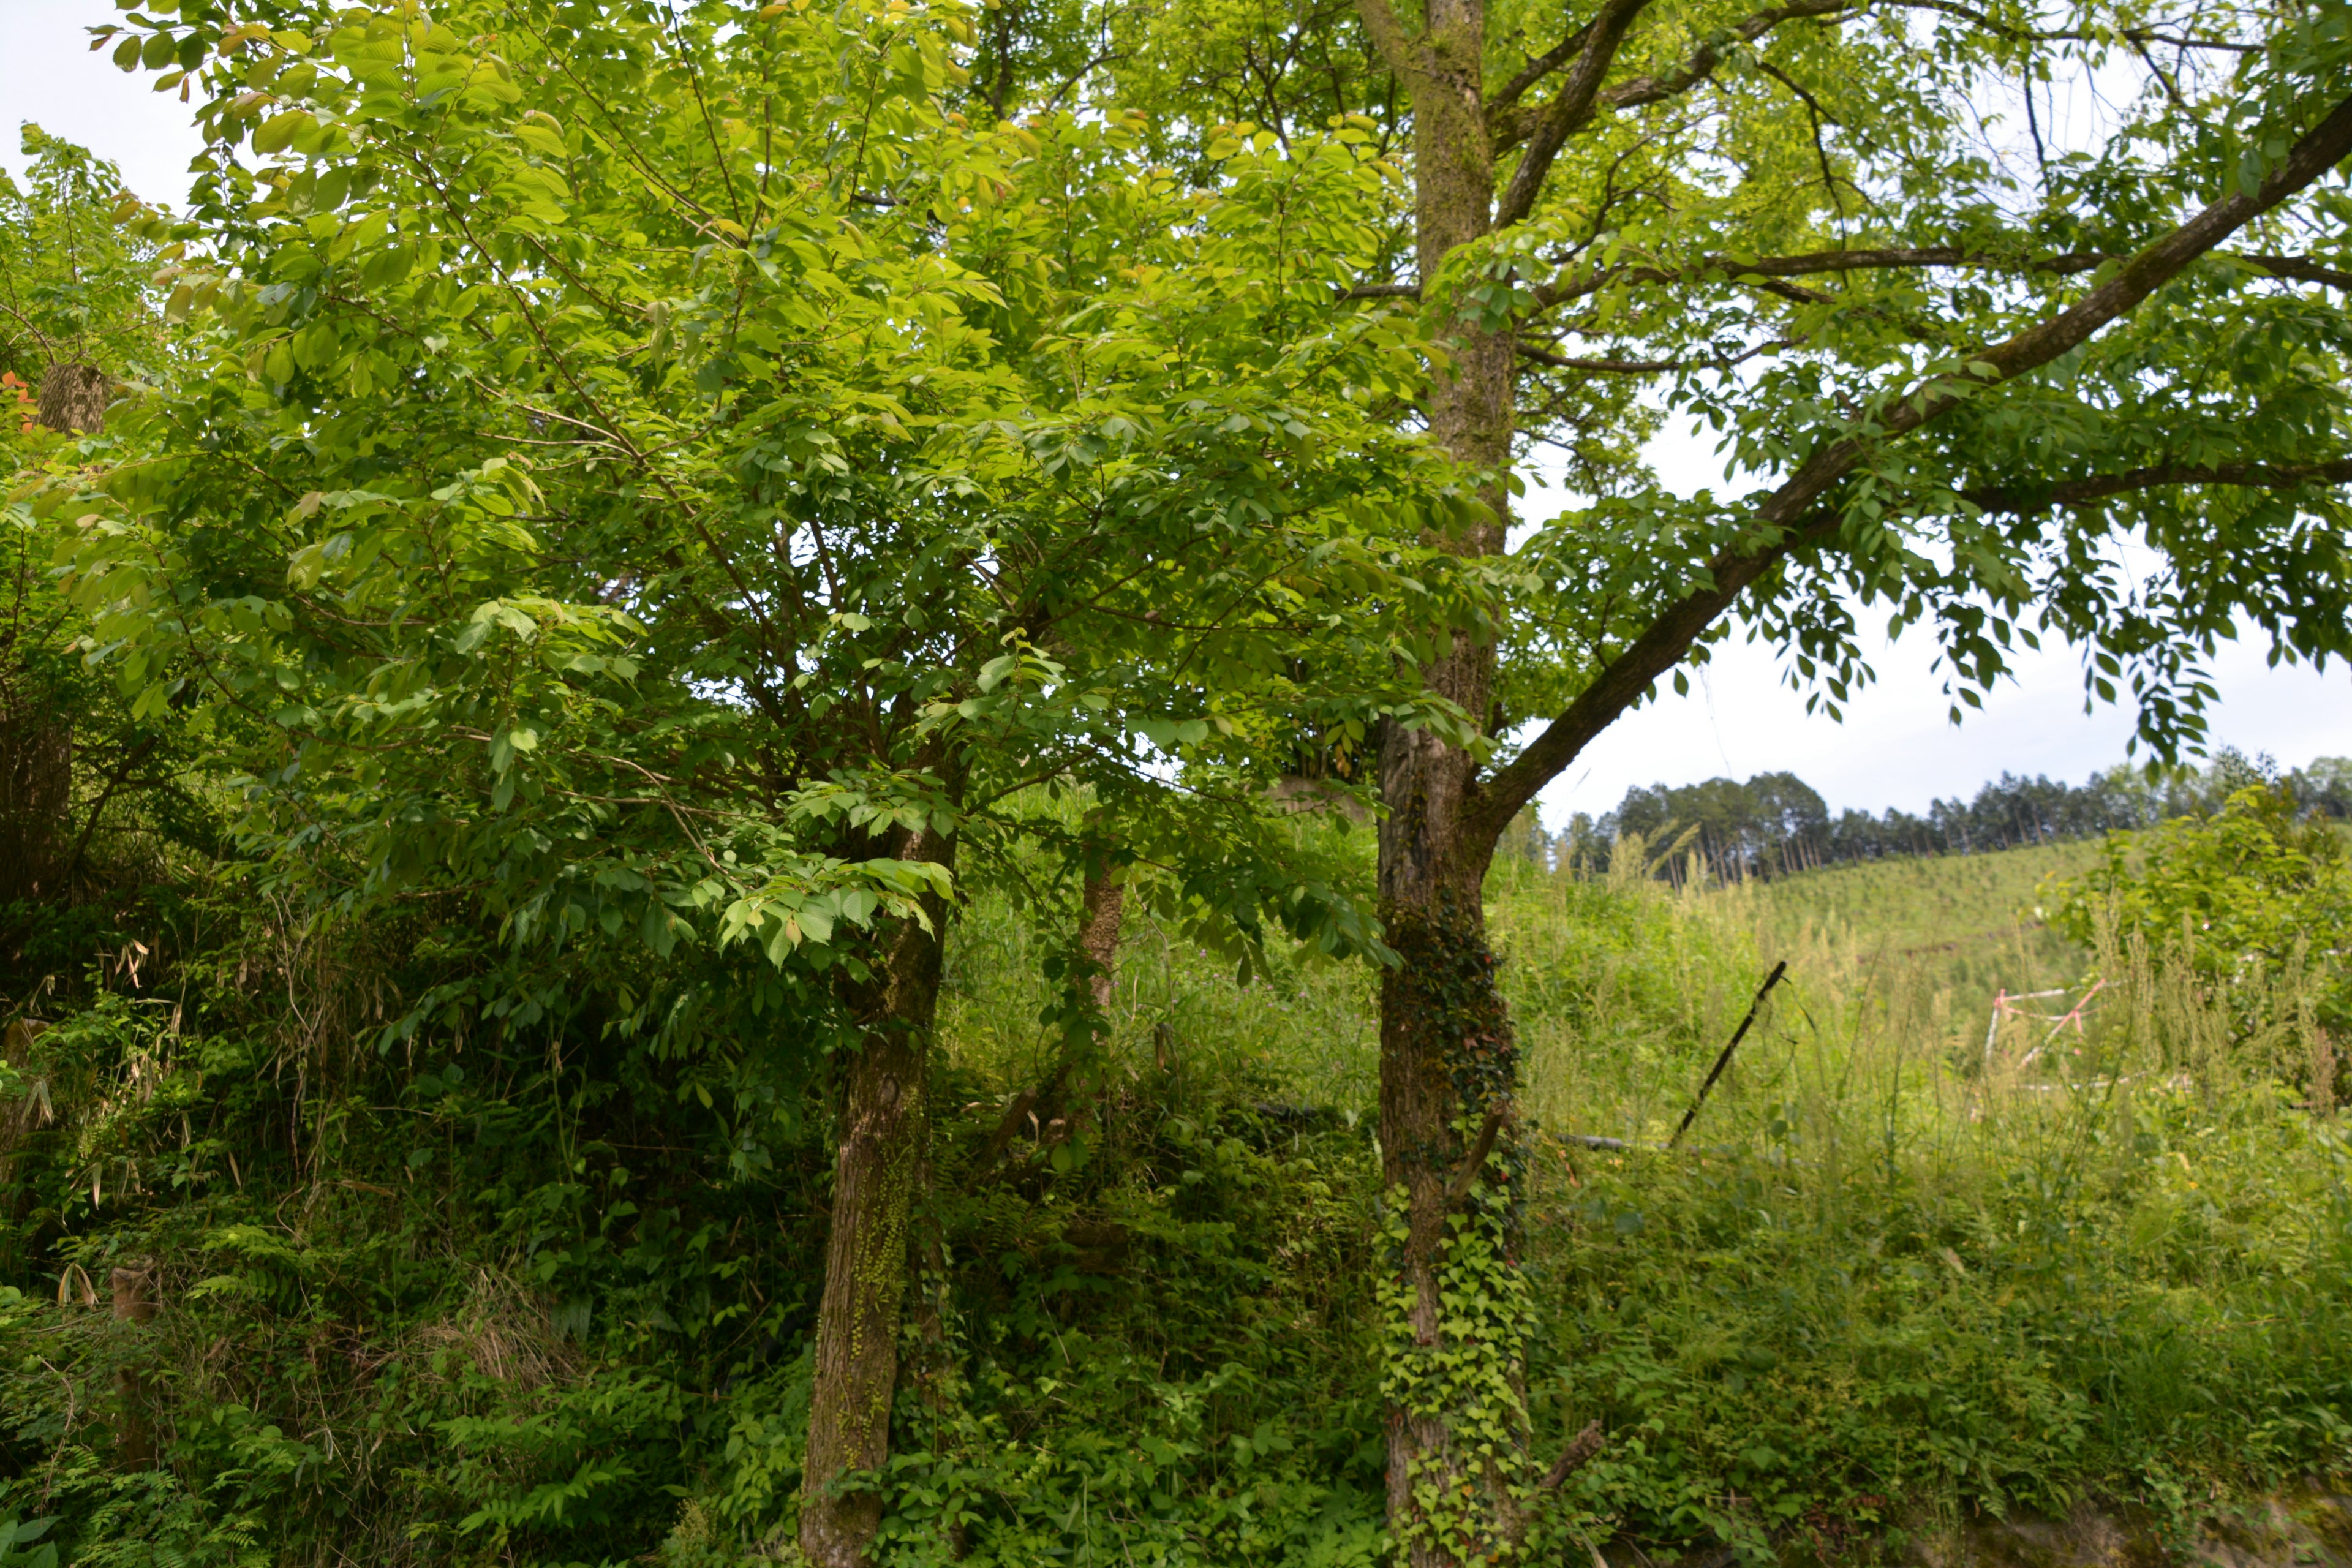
(527, 1275)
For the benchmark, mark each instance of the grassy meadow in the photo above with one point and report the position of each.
(1899, 1276)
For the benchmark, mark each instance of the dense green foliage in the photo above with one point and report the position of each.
(2245, 897)
(540, 1291)
(660, 574)
(533, 528)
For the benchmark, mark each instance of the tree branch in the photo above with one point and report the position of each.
(1581, 1450)
(2139, 35)
(1481, 1146)
(1704, 60)
(1542, 66)
(1382, 291)
(1573, 108)
(1791, 516)
(1813, 263)
(1651, 366)
(1885, 258)
(2302, 269)
(1388, 36)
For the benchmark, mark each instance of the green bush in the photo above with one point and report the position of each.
(2253, 900)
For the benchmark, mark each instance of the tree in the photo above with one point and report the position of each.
(2241, 898)
(657, 473)
(1964, 365)
(73, 297)
(72, 318)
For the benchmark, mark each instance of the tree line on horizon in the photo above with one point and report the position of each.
(1776, 823)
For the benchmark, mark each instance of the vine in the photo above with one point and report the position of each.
(1452, 1369)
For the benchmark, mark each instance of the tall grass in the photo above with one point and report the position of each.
(1895, 1271)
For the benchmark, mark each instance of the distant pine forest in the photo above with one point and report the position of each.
(1776, 823)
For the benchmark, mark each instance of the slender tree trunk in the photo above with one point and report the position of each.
(885, 1124)
(1102, 911)
(1454, 1375)
(134, 1435)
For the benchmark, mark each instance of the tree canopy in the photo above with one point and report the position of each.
(688, 480)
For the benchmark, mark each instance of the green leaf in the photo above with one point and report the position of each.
(277, 133)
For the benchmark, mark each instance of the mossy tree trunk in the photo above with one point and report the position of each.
(1452, 1373)
(883, 1128)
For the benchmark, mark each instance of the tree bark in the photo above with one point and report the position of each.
(1102, 909)
(35, 796)
(73, 399)
(134, 1435)
(884, 1123)
(1457, 1414)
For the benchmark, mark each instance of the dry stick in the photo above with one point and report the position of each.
(1579, 1453)
(1497, 1114)
(1724, 1060)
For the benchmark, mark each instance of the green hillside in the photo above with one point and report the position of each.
(1889, 1283)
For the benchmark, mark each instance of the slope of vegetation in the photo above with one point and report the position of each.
(540, 1291)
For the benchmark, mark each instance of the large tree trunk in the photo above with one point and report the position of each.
(885, 1124)
(1454, 1374)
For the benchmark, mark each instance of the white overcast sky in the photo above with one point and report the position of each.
(1895, 748)
(49, 76)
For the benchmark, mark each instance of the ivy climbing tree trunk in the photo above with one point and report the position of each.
(1448, 1068)
(1458, 1478)
(885, 1124)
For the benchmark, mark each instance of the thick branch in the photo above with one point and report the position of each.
(1542, 66)
(1708, 55)
(1791, 515)
(1388, 36)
